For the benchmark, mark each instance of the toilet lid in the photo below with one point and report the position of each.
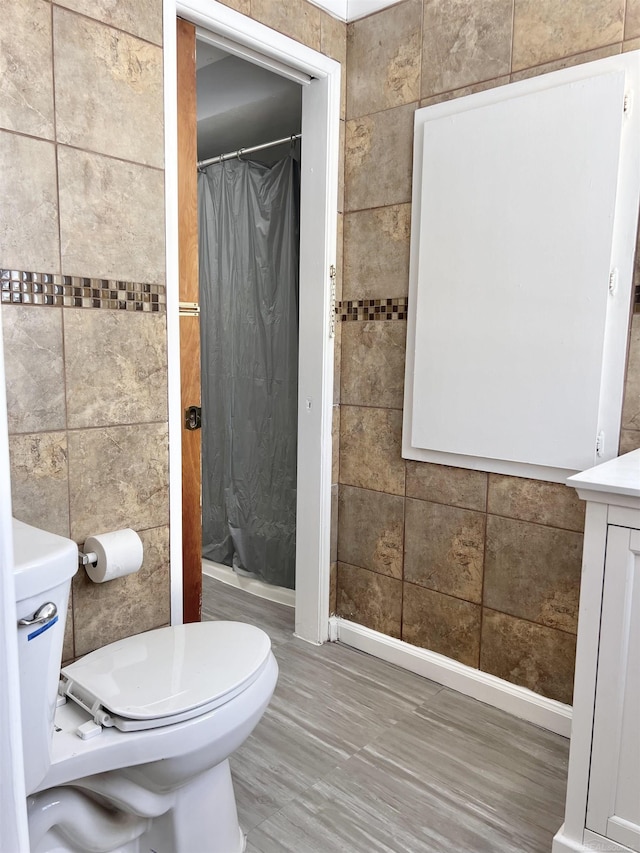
(171, 672)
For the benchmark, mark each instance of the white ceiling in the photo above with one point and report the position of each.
(351, 10)
(207, 53)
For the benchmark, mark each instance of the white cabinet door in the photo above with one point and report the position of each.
(613, 807)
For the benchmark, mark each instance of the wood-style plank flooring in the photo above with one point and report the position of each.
(356, 755)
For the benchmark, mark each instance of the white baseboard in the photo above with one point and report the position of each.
(562, 844)
(519, 701)
(253, 586)
(592, 842)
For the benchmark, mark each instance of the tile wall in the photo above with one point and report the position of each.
(82, 291)
(480, 567)
(82, 278)
(310, 25)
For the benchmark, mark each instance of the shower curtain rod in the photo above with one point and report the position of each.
(232, 154)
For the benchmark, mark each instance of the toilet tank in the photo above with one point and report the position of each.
(43, 567)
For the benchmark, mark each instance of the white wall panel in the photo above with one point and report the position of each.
(515, 355)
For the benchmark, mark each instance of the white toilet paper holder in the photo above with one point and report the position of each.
(85, 559)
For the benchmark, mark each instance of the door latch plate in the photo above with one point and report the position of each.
(193, 417)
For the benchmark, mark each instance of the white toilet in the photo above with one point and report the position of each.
(127, 749)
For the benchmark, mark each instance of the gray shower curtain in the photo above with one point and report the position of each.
(248, 248)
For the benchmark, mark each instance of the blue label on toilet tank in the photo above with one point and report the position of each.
(42, 629)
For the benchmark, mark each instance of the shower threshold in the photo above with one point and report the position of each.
(253, 586)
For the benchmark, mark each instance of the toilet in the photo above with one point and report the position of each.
(127, 748)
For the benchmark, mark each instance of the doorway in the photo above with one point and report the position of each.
(243, 37)
(248, 269)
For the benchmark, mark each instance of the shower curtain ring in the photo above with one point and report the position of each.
(239, 152)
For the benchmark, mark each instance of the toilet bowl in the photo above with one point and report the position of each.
(127, 748)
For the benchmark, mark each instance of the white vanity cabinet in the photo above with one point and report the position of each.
(603, 791)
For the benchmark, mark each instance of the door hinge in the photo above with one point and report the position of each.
(332, 302)
(600, 444)
(188, 309)
(626, 104)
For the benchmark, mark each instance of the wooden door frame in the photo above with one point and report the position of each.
(318, 209)
(188, 287)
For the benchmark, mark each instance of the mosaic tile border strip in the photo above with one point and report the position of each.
(21, 287)
(18, 287)
(396, 308)
(373, 309)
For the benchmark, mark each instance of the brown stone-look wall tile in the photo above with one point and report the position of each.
(296, 18)
(372, 369)
(376, 253)
(447, 485)
(632, 44)
(121, 376)
(333, 588)
(370, 530)
(533, 572)
(378, 153)
(370, 449)
(111, 218)
(442, 624)
(629, 440)
(33, 368)
(383, 67)
(544, 30)
(632, 19)
(118, 477)
(464, 42)
(631, 406)
(333, 549)
(26, 98)
(333, 43)
(39, 480)
(339, 257)
(444, 548)
(553, 504)
(104, 613)
(335, 445)
(29, 212)
(242, 6)
(465, 90)
(369, 599)
(142, 18)
(342, 159)
(107, 81)
(532, 656)
(333, 38)
(567, 62)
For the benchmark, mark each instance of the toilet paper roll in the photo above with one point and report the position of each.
(118, 554)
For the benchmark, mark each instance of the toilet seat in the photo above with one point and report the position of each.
(166, 676)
